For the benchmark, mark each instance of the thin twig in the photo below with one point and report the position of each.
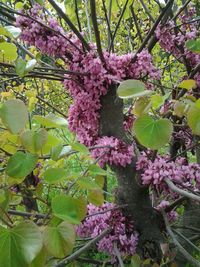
(187, 240)
(179, 246)
(147, 11)
(107, 210)
(182, 192)
(70, 24)
(117, 253)
(50, 105)
(118, 24)
(96, 29)
(151, 32)
(181, 9)
(136, 23)
(108, 23)
(87, 246)
(77, 16)
(27, 214)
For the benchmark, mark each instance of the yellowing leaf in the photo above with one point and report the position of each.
(96, 197)
(8, 52)
(187, 84)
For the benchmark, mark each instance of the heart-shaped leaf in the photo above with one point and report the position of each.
(59, 240)
(188, 84)
(55, 175)
(14, 115)
(69, 208)
(19, 245)
(193, 118)
(51, 121)
(193, 45)
(132, 89)
(152, 133)
(33, 141)
(8, 51)
(21, 164)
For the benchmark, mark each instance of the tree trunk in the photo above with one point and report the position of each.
(146, 220)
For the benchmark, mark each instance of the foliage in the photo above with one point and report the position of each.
(64, 149)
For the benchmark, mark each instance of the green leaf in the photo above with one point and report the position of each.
(87, 183)
(51, 121)
(80, 148)
(52, 141)
(153, 133)
(2, 196)
(55, 175)
(33, 141)
(59, 240)
(141, 106)
(157, 101)
(14, 31)
(197, 103)
(40, 259)
(55, 152)
(132, 89)
(20, 244)
(19, 5)
(193, 118)
(5, 32)
(8, 51)
(179, 109)
(96, 170)
(21, 164)
(135, 261)
(68, 208)
(14, 115)
(96, 197)
(193, 45)
(188, 84)
(20, 66)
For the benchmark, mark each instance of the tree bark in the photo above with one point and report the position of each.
(130, 191)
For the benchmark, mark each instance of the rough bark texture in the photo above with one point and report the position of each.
(130, 191)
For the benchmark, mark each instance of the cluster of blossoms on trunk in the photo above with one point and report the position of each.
(180, 172)
(87, 90)
(90, 84)
(122, 233)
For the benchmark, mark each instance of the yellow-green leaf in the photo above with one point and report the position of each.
(187, 84)
(8, 51)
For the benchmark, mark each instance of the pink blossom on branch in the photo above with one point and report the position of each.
(122, 233)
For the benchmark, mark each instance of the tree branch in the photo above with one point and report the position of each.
(182, 192)
(96, 30)
(187, 240)
(151, 32)
(179, 246)
(69, 23)
(118, 24)
(87, 246)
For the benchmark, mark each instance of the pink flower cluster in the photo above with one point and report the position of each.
(34, 33)
(122, 232)
(112, 151)
(181, 173)
(173, 39)
(93, 82)
(172, 215)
